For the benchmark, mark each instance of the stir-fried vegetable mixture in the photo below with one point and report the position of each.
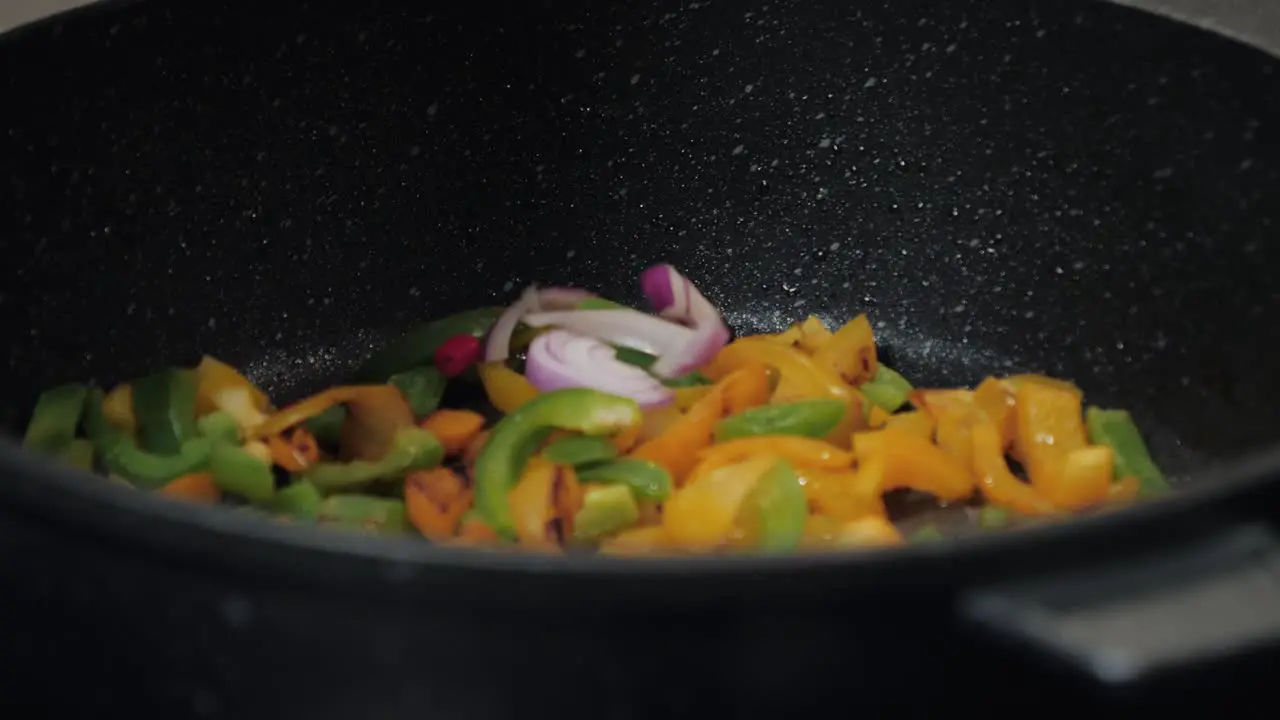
(617, 430)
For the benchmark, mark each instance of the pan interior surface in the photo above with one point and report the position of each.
(1073, 189)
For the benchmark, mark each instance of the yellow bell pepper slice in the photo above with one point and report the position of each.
(117, 406)
(916, 422)
(850, 354)
(845, 495)
(910, 461)
(507, 389)
(1085, 478)
(701, 515)
(221, 387)
(813, 335)
(1050, 422)
(997, 484)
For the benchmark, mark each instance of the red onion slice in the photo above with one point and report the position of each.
(630, 328)
(559, 359)
(498, 346)
(675, 297)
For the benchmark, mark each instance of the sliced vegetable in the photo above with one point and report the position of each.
(631, 356)
(774, 513)
(806, 418)
(646, 480)
(636, 541)
(912, 462)
(164, 404)
(927, 534)
(995, 481)
(543, 504)
(702, 514)
(219, 426)
(457, 355)
(121, 456)
(221, 387)
(915, 422)
(1116, 430)
(559, 359)
(688, 380)
(364, 512)
(887, 389)
(606, 509)
(514, 439)
(991, 517)
(436, 500)
(77, 453)
(198, 486)
(532, 300)
(300, 501)
(675, 297)
(579, 450)
(455, 429)
(869, 531)
(1050, 427)
(813, 334)
(850, 354)
(412, 448)
(422, 387)
(326, 426)
(238, 471)
(118, 408)
(55, 418)
(506, 389)
(417, 347)
(676, 447)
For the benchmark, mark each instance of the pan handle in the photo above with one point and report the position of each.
(1205, 604)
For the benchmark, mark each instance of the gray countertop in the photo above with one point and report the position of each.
(1253, 21)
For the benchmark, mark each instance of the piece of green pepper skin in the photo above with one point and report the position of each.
(422, 387)
(326, 427)
(164, 404)
(887, 389)
(412, 448)
(807, 418)
(300, 501)
(579, 450)
(510, 445)
(364, 512)
(220, 427)
(646, 480)
(77, 453)
(1116, 429)
(991, 517)
(54, 420)
(777, 509)
(239, 472)
(122, 457)
(417, 347)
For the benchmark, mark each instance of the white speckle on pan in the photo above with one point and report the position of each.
(739, 150)
(834, 246)
(432, 108)
(750, 87)
(824, 143)
(870, 83)
(635, 78)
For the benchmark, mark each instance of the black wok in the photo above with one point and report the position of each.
(1056, 186)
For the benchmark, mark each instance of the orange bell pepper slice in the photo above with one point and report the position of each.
(1050, 423)
(915, 422)
(745, 388)
(676, 449)
(688, 397)
(850, 354)
(383, 405)
(626, 440)
(997, 484)
(995, 398)
(197, 486)
(455, 429)
(507, 389)
(435, 501)
(910, 461)
(701, 515)
(813, 335)
(877, 417)
(1085, 478)
(295, 452)
(1125, 489)
(658, 420)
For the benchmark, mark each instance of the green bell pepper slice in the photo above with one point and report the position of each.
(412, 448)
(239, 472)
(579, 450)
(776, 509)
(77, 453)
(693, 379)
(599, 303)
(927, 534)
(422, 387)
(122, 457)
(991, 517)
(807, 418)
(326, 427)
(1116, 429)
(220, 427)
(515, 437)
(887, 389)
(645, 479)
(605, 510)
(164, 404)
(418, 346)
(364, 512)
(300, 501)
(55, 417)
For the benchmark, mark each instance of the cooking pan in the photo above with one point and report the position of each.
(1065, 187)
